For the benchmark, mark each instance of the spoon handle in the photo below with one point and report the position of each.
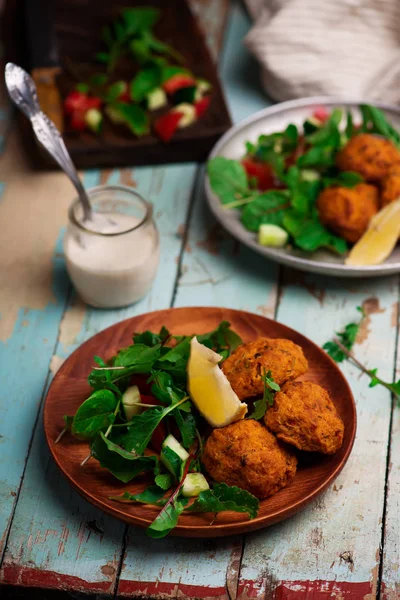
(51, 139)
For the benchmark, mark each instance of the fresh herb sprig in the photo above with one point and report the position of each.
(340, 349)
(261, 405)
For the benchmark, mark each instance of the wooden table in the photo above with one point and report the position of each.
(346, 545)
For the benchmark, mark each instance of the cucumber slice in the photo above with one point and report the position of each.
(173, 455)
(194, 484)
(156, 99)
(310, 175)
(311, 125)
(94, 119)
(172, 443)
(272, 235)
(203, 86)
(130, 400)
(189, 115)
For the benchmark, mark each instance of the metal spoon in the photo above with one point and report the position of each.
(22, 91)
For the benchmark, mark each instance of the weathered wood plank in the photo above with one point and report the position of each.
(390, 585)
(333, 546)
(53, 530)
(31, 306)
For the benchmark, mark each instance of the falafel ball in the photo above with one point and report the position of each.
(348, 211)
(247, 455)
(369, 155)
(245, 367)
(390, 186)
(304, 415)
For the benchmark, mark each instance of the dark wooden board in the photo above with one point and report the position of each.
(78, 25)
(70, 388)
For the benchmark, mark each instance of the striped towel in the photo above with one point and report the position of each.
(345, 48)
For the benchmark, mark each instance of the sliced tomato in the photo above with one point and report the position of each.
(177, 82)
(261, 171)
(75, 101)
(78, 120)
(321, 114)
(159, 434)
(202, 105)
(93, 102)
(166, 125)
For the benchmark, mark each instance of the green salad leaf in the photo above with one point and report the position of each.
(269, 207)
(124, 465)
(95, 414)
(228, 179)
(134, 116)
(262, 404)
(224, 497)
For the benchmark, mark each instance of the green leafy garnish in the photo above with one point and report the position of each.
(374, 121)
(340, 349)
(95, 414)
(269, 207)
(124, 465)
(224, 497)
(262, 404)
(347, 337)
(134, 116)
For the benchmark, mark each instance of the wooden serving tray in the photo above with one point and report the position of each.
(78, 26)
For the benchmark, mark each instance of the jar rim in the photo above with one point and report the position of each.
(111, 188)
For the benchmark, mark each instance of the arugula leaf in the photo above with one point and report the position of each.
(309, 234)
(124, 465)
(165, 390)
(134, 116)
(139, 358)
(261, 405)
(318, 156)
(102, 57)
(347, 337)
(268, 207)
(228, 179)
(344, 179)
(141, 427)
(374, 121)
(95, 414)
(140, 19)
(224, 497)
(187, 427)
(164, 481)
(151, 339)
(221, 338)
(167, 519)
(349, 125)
(144, 83)
(151, 495)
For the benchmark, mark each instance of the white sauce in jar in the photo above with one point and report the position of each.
(111, 271)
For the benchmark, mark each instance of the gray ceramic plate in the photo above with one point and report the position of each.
(276, 118)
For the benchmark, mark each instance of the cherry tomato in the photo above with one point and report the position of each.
(321, 114)
(177, 82)
(78, 120)
(202, 105)
(166, 125)
(75, 101)
(261, 171)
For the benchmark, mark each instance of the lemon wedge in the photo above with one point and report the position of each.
(378, 241)
(209, 388)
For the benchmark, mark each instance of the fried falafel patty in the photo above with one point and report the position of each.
(245, 367)
(304, 415)
(369, 155)
(348, 211)
(247, 455)
(390, 186)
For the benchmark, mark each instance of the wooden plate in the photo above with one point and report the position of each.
(70, 388)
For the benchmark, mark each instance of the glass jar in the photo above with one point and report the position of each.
(112, 259)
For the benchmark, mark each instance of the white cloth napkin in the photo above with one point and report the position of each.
(346, 48)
